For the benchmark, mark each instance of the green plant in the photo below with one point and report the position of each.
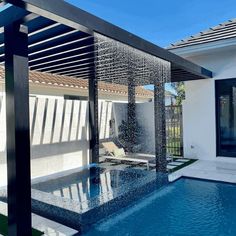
(4, 226)
(180, 92)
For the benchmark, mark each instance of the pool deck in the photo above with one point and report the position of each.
(223, 169)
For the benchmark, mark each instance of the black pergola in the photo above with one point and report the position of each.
(56, 37)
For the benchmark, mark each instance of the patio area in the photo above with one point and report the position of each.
(223, 170)
(65, 41)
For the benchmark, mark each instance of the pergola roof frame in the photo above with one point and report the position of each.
(71, 16)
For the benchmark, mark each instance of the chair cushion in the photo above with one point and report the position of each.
(109, 146)
(120, 152)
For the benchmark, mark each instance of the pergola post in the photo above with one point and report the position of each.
(160, 125)
(18, 130)
(131, 116)
(93, 120)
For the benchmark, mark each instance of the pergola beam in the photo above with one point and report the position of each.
(52, 11)
(63, 12)
(18, 130)
(10, 14)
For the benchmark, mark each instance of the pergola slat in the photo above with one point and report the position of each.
(43, 49)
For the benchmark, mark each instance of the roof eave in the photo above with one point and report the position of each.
(204, 47)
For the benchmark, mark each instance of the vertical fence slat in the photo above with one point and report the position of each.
(174, 130)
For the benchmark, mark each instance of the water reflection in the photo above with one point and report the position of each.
(87, 184)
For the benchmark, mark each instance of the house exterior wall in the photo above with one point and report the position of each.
(60, 132)
(199, 119)
(145, 118)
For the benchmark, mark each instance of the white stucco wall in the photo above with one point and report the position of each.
(199, 136)
(199, 123)
(59, 133)
(145, 118)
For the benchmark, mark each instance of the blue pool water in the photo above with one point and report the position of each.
(81, 198)
(185, 208)
(88, 183)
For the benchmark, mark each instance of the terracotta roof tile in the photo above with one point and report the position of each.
(66, 81)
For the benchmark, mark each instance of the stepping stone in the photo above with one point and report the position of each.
(182, 160)
(174, 163)
(170, 167)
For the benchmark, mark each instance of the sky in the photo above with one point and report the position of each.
(161, 22)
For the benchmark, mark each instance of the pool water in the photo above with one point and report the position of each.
(88, 183)
(79, 198)
(185, 208)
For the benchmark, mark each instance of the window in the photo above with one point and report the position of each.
(226, 117)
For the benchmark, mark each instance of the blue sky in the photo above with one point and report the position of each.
(161, 22)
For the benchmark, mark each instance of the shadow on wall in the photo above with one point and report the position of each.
(60, 126)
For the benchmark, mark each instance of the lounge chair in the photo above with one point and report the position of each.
(116, 153)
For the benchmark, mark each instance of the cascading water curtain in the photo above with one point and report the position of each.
(130, 69)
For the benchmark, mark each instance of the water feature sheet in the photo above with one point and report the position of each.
(80, 198)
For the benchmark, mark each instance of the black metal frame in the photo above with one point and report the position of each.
(217, 120)
(56, 30)
(18, 130)
(66, 14)
(93, 120)
(218, 86)
(174, 132)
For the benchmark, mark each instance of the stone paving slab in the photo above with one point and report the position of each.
(182, 160)
(170, 167)
(175, 163)
(49, 227)
(218, 170)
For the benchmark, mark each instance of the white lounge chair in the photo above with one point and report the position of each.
(115, 153)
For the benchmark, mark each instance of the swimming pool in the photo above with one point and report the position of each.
(88, 183)
(81, 197)
(185, 208)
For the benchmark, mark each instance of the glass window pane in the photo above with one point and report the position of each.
(226, 109)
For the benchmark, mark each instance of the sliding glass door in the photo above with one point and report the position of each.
(226, 117)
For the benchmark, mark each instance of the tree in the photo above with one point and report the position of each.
(178, 87)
